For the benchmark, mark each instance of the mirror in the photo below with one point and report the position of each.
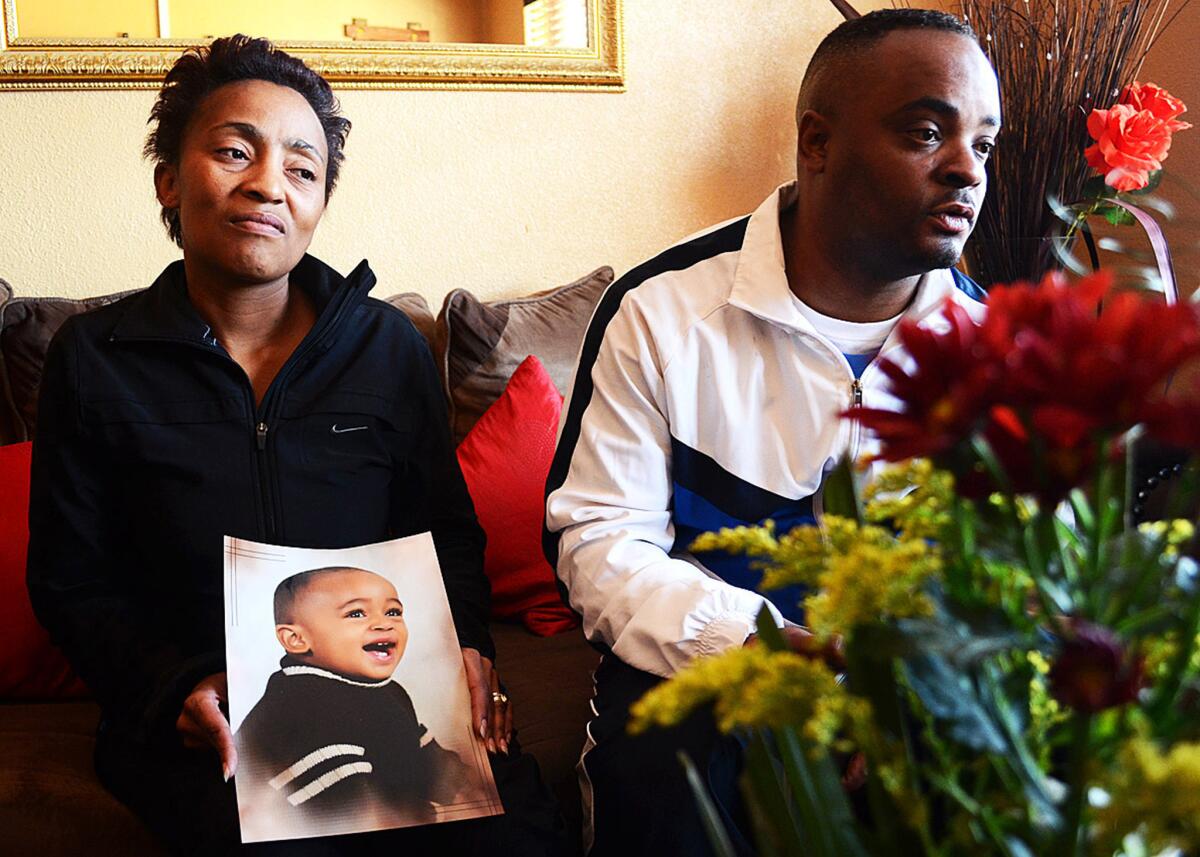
(511, 44)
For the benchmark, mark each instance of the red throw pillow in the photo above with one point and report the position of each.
(505, 459)
(30, 666)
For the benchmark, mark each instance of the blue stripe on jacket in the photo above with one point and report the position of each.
(706, 497)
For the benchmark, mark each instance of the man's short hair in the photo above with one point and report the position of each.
(202, 70)
(291, 589)
(850, 39)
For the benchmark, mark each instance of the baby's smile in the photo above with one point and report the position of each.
(381, 650)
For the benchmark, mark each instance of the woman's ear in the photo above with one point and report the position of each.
(812, 141)
(292, 638)
(166, 185)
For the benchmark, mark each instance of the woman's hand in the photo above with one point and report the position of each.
(490, 708)
(202, 722)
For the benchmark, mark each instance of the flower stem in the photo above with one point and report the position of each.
(1080, 218)
(1077, 787)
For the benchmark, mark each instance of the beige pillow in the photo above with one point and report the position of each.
(479, 345)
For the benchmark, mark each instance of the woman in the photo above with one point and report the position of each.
(217, 402)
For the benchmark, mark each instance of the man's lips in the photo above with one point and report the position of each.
(953, 217)
(260, 223)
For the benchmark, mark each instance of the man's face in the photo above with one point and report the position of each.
(250, 182)
(905, 157)
(352, 622)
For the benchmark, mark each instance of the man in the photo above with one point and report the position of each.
(710, 383)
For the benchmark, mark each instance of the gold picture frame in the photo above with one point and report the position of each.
(40, 64)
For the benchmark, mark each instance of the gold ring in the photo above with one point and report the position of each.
(499, 698)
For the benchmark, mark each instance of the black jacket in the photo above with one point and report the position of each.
(150, 448)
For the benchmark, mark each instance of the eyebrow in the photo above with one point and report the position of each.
(252, 133)
(944, 108)
(356, 600)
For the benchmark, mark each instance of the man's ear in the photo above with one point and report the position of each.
(166, 185)
(812, 141)
(293, 639)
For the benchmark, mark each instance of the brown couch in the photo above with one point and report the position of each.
(50, 800)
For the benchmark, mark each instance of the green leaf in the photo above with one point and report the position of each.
(710, 816)
(768, 632)
(840, 494)
(1082, 508)
(778, 830)
(816, 780)
(1037, 787)
(950, 696)
(962, 645)
(1117, 216)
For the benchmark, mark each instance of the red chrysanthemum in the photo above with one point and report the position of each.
(1093, 671)
(1054, 376)
(950, 385)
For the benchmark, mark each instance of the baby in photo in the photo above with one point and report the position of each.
(333, 732)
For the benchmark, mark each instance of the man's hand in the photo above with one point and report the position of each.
(802, 642)
(203, 724)
(491, 711)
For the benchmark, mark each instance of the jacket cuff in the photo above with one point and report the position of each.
(165, 701)
(724, 631)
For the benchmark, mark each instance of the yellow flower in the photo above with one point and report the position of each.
(914, 497)
(754, 686)
(872, 579)
(1176, 533)
(1154, 793)
(860, 574)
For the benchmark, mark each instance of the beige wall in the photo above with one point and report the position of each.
(1172, 63)
(499, 192)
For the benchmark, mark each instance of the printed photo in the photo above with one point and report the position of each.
(347, 693)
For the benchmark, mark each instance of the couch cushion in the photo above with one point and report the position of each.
(30, 666)
(505, 459)
(26, 327)
(415, 307)
(51, 803)
(8, 415)
(549, 680)
(28, 324)
(481, 344)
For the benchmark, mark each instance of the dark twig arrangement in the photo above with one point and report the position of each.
(1056, 60)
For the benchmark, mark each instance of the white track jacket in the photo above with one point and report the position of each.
(702, 398)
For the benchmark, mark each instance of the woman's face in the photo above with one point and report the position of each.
(250, 183)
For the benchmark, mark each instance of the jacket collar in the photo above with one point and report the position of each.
(760, 285)
(165, 313)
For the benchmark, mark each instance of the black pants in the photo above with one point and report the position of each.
(182, 798)
(640, 801)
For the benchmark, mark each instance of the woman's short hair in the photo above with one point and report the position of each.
(201, 71)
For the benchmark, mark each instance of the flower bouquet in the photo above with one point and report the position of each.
(1003, 661)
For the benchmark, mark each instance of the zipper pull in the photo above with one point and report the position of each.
(260, 432)
(855, 389)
